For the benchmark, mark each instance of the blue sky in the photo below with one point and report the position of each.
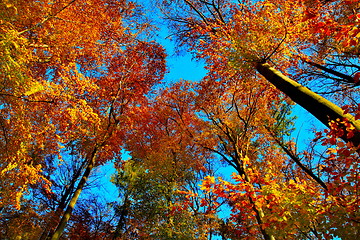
(181, 65)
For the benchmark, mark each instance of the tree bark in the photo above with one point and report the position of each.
(321, 108)
(66, 216)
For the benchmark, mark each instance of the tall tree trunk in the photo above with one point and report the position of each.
(66, 216)
(318, 106)
(64, 201)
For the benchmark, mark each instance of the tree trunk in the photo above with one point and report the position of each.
(64, 201)
(318, 106)
(66, 216)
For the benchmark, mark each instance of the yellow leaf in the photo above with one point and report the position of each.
(246, 160)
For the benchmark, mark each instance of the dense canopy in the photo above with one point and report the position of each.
(84, 94)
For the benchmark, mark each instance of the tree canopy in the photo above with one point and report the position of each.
(84, 87)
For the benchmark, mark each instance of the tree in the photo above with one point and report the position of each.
(64, 176)
(224, 32)
(166, 165)
(147, 201)
(92, 219)
(71, 73)
(231, 38)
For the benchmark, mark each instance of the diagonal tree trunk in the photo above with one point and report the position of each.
(64, 201)
(318, 106)
(66, 216)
